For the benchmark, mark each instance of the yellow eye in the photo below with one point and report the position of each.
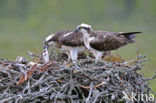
(80, 27)
(46, 42)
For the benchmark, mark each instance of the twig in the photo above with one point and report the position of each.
(90, 92)
(153, 77)
(87, 87)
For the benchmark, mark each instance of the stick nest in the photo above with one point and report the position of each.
(83, 82)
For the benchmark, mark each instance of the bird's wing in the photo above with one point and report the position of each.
(59, 35)
(128, 36)
(72, 39)
(105, 41)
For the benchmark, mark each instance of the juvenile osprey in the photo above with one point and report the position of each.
(100, 41)
(69, 41)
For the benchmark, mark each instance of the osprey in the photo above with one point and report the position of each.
(69, 41)
(54, 39)
(101, 41)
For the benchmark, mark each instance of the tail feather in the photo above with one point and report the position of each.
(129, 35)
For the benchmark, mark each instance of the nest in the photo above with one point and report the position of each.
(83, 82)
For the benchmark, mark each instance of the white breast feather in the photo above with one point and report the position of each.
(68, 48)
(87, 41)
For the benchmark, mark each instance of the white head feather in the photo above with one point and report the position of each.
(83, 30)
(84, 25)
(47, 39)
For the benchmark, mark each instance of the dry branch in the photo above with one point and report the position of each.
(56, 82)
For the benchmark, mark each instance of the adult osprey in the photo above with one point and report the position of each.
(100, 41)
(69, 41)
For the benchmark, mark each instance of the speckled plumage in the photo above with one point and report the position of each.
(106, 41)
(73, 39)
(68, 41)
(58, 36)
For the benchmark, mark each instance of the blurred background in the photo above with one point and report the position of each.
(25, 23)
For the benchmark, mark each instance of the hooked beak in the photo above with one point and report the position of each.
(46, 45)
(77, 30)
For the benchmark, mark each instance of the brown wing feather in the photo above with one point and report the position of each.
(59, 35)
(105, 41)
(74, 39)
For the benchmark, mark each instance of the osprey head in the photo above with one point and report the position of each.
(84, 28)
(49, 41)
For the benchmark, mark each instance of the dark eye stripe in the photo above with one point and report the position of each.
(50, 40)
(85, 28)
(80, 27)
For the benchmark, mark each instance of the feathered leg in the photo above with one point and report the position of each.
(69, 57)
(74, 54)
(97, 55)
